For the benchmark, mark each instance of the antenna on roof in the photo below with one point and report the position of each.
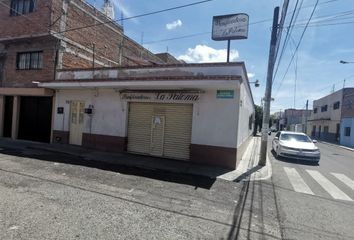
(108, 9)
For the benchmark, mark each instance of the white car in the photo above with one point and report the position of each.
(295, 145)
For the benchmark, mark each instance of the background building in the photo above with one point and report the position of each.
(294, 119)
(39, 37)
(329, 113)
(347, 121)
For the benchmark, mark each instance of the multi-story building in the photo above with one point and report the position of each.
(347, 121)
(326, 117)
(293, 118)
(39, 37)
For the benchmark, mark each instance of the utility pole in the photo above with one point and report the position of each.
(306, 112)
(268, 92)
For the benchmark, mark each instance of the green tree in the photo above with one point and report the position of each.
(258, 118)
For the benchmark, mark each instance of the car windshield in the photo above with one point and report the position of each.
(294, 137)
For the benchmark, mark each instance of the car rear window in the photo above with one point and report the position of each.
(294, 137)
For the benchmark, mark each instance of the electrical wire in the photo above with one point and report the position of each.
(298, 45)
(137, 16)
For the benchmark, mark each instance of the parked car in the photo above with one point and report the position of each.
(295, 145)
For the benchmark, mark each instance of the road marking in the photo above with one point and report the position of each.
(296, 181)
(344, 179)
(327, 185)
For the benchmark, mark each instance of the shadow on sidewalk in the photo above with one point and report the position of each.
(249, 172)
(196, 181)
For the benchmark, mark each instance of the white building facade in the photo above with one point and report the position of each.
(201, 113)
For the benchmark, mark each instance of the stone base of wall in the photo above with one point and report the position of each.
(104, 142)
(213, 155)
(61, 137)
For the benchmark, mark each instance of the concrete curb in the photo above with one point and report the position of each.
(249, 166)
(336, 145)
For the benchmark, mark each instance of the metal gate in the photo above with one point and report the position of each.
(160, 129)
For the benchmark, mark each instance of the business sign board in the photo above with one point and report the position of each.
(225, 94)
(229, 27)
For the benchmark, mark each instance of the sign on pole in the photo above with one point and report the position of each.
(229, 27)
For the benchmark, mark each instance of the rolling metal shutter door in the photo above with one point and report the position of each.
(177, 120)
(139, 127)
(178, 130)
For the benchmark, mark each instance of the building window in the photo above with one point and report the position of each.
(315, 110)
(324, 108)
(347, 131)
(325, 129)
(20, 7)
(29, 60)
(336, 105)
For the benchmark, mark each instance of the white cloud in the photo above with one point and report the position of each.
(203, 54)
(250, 75)
(174, 24)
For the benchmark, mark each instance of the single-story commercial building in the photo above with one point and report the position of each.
(201, 113)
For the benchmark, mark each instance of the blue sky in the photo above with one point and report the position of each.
(322, 48)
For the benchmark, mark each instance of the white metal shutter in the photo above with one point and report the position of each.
(176, 134)
(139, 127)
(178, 131)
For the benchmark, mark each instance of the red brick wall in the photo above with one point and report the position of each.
(107, 42)
(24, 78)
(17, 26)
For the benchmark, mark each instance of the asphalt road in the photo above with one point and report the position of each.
(47, 195)
(315, 202)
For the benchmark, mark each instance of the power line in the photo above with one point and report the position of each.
(288, 32)
(199, 34)
(298, 45)
(137, 16)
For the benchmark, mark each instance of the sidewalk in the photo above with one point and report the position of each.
(247, 166)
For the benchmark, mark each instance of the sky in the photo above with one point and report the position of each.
(314, 73)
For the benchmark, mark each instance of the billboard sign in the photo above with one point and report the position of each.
(229, 27)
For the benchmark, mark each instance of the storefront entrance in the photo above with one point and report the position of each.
(162, 130)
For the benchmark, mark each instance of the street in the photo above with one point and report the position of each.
(49, 199)
(47, 195)
(316, 202)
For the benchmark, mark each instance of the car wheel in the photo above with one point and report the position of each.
(276, 154)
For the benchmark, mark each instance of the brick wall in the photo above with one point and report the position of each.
(23, 78)
(17, 26)
(105, 39)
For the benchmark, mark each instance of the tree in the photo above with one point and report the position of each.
(258, 118)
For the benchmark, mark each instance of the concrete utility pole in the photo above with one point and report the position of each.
(307, 108)
(268, 92)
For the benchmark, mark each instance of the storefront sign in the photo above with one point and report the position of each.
(228, 27)
(225, 94)
(164, 97)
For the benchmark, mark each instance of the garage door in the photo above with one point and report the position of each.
(162, 130)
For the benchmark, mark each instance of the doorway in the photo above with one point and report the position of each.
(9, 102)
(76, 122)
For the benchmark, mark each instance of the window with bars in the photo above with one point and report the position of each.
(20, 7)
(336, 105)
(29, 60)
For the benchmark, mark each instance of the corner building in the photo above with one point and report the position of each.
(201, 113)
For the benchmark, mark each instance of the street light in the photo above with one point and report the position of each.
(344, 62)
(256, 83)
